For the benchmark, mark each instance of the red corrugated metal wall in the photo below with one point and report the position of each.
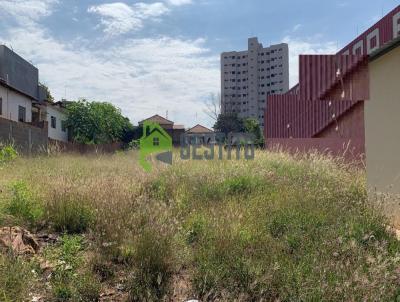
(288, 116)
(385, 27)
(312, 104)
(321, 74)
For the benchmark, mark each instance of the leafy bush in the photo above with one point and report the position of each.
(7, 153)
(24, 204)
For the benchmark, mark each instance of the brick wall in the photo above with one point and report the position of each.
(26, 138)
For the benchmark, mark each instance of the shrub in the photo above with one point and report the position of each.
(24, 204)
(7, 153)
(240, 185)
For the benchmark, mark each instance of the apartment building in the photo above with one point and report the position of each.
(248, 77)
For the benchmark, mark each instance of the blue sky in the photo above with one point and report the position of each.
(148, 57)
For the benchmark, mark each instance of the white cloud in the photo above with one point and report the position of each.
(179, 2)
(297, 27)
(119, 18)
(26, 11)
(308, 46)
(141, 76)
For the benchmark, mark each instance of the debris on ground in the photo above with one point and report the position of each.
(18, 240)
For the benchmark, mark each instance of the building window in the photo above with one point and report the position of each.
(63, 126)
(398, 27)
(21, 114)
(53, 122)
(373, 42)
(156, 141)
(1, 106)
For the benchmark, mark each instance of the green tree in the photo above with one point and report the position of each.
(96, 122)
(49, 97)
(253, 126)
(228, 122)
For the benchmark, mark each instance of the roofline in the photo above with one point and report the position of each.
(159, 128)
(384, 49)
(25, 60)
(154, 116)
(370, 27)
(200, 126)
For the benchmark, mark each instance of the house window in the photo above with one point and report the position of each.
(21, 114)
(53, 122)
(63, 126)
(373, 42)
(156, 141)
(398, 27)
(1, 106)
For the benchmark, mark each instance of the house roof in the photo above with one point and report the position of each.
(178, 127)
(199, 129)
(157, 119)
(150, 128)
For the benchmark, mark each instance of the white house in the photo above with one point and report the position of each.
(23, 99)
(56, 119)
(15, 106)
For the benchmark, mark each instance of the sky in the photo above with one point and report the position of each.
(152, 56)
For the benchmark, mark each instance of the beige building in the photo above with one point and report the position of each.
(382, 120)
(248, 77)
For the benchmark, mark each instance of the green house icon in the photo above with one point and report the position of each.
(155, 140)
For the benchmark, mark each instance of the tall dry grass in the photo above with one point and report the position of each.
(280, 227)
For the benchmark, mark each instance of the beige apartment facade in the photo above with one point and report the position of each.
(249, 76)
(382, 121)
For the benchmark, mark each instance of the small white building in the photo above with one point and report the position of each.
(56, 118)
(15, 106)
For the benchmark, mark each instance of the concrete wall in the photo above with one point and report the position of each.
(56, 133)
(18, 73)
(382, 124)
(11, 100)
(26, 138)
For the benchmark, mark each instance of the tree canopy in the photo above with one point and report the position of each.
(97, 122)
(230, 122)
(49, 97)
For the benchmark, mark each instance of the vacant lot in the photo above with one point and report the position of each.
(278, 228)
